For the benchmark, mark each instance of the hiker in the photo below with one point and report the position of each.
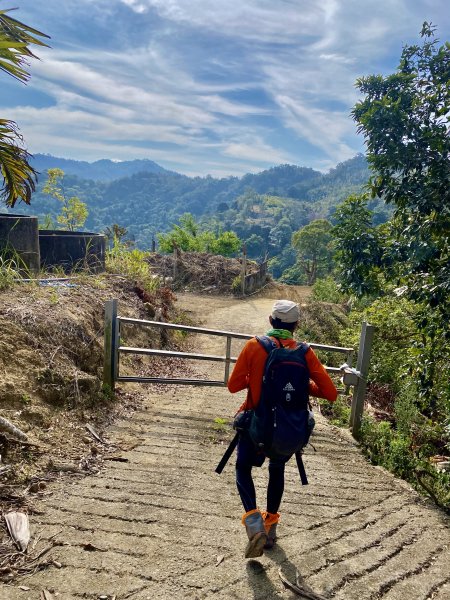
(248, 374)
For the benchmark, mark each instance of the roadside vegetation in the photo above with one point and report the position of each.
(396, 275)
(190, 236)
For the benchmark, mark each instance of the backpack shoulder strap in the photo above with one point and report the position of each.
(303, 347)
(267, 343)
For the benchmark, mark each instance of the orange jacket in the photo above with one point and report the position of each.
(249, 369)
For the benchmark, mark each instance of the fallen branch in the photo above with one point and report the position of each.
(420, 473)
(295, 587)
(5, 425)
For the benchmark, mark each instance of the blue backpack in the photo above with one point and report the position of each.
(282, 422)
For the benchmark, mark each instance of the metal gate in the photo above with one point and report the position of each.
(355, 377)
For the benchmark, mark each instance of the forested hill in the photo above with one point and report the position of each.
(147, 203)
(100, 170)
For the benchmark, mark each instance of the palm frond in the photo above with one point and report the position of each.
(15, 39)
(19, 177)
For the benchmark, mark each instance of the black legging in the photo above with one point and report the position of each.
(247, 458)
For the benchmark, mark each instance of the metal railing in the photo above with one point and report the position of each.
(114, 349)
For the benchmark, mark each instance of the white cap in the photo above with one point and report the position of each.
(286, 311)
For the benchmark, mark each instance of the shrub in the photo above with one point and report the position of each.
(131, 263)
(337, 412)
(396, 450)
(327, 290)
(392, 351)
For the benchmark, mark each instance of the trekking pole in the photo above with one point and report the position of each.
(228, 452)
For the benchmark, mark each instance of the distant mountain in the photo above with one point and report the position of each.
(100, 170)
(264, 209)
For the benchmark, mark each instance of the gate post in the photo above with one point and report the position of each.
(362, 366)
(227, 360)
(111, 338)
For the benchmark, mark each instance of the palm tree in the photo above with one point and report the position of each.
(18, 176)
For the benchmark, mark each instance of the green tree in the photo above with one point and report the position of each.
(74, 212)
(314, 251)
(18, 177)
(255, 246)
(226, 243)
(183, 236)
(188, 236)
(405, 121)
(357, 247)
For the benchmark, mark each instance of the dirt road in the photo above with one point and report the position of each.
(165, 526)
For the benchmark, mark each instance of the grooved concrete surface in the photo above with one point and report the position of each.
(167, 527)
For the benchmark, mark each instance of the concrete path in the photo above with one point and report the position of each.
(165, 526)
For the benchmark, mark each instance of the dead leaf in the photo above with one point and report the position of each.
(17, 523)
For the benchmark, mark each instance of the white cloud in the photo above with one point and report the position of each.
(251, 19)
(216, 82)
(256, 150)
(326, 130)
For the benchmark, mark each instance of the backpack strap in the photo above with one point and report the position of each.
(301, 467)
(267, 343)
(303, 347)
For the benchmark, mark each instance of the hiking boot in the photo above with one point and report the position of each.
(270, 525)
(256, 533)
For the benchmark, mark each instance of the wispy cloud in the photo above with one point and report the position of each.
(207, 86)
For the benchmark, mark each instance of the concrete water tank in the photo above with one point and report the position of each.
(19, 242)
(72, 250)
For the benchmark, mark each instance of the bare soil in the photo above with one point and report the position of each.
(156, 522)
(51, 371)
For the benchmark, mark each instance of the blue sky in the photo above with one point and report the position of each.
(206, 86)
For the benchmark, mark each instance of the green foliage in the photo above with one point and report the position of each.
(396, 332)
(294, 275)
(47, 222)
(188, 236)
(15, 41)
(221, 425)
(407, 442)
(327, 290)
(395, 450)
(147, 203)
(314, 249)
(337, 412)
(18, 177)
(132, 263)
(358, 247)
(74, 212)
(405, 119)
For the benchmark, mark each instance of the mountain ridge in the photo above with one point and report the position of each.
(264, 208)
(103, 169)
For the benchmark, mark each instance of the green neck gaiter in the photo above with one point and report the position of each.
(282, 334)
